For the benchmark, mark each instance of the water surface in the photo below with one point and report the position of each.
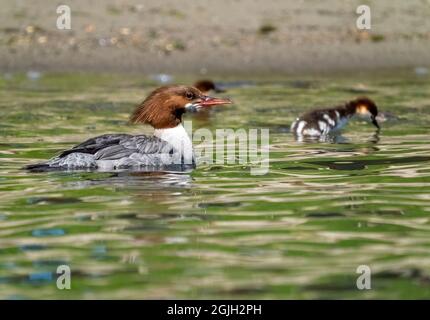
(299, 231)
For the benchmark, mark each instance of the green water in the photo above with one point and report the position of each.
(299, 231)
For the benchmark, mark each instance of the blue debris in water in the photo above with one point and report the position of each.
(40, 276)
(47, 232)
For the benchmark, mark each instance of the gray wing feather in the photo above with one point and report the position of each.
(113, 153)
(116, 146)
(140, 144)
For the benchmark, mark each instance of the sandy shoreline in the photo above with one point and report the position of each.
(222, 37)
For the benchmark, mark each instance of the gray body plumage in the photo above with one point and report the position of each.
(116, 151)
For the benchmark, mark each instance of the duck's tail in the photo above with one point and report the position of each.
(37, 167)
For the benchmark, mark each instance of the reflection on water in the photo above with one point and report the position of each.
(141, 180)
(324, 208)
(336, 137)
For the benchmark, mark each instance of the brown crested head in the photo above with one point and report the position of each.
(364, 106)
(207, 85)
(164, 107)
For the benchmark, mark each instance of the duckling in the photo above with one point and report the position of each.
(321, 122)
(207, 85)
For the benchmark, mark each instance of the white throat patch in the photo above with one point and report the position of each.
(179, 139)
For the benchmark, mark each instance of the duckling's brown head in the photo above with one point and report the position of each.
(366, 108)
(207, 85)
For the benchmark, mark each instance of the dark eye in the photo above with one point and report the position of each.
(189, 95)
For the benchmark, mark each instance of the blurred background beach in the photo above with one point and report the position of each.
(214, 37)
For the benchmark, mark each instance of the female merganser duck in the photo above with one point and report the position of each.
(170, 144)
(207, 85)
(321, 122)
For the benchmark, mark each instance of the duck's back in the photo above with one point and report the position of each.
(111, 151)
(319, 122)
